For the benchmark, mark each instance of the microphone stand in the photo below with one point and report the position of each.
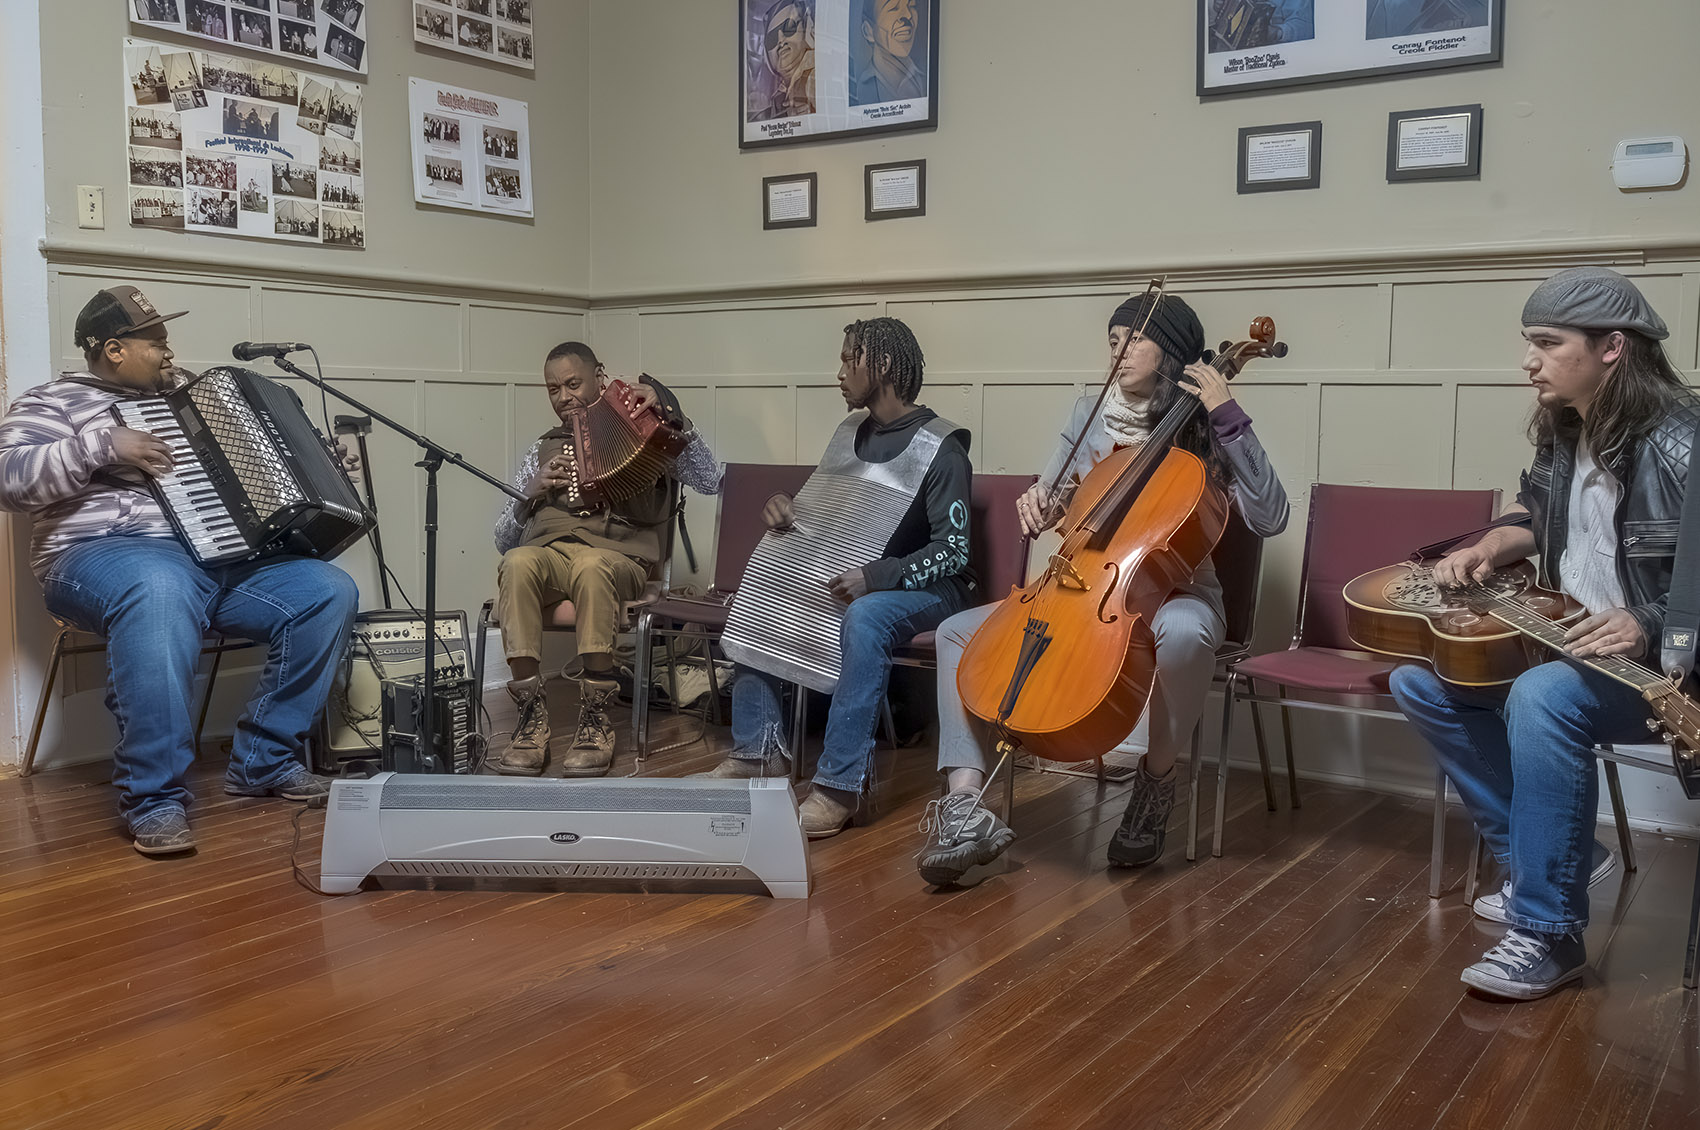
(435, 456)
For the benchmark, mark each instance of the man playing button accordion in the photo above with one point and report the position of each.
(110, 563)
(596, 555)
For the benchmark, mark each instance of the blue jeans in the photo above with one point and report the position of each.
(873, 625)
(1523, 760)
(153, 603)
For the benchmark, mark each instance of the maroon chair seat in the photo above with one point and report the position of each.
(1350, 530)
(1320, 669)
(922, 651)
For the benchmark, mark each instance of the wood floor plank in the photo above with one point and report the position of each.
(1303, 980)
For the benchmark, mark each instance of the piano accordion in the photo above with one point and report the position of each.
(252, 477)
(611, 453)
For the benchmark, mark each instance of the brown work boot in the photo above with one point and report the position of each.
(528, 752)
(736, 768)
(593, 742)
(826, 812)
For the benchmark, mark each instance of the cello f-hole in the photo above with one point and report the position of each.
(1114, 569)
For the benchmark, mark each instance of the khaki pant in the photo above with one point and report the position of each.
(599, 582)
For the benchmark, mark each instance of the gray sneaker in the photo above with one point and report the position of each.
(961, 833)
(1527, 964)
(164, 831)
(297, 784)
(1496, 907)
(1138, 841)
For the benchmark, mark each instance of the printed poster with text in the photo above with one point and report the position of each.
(229, 146)
(470, 150)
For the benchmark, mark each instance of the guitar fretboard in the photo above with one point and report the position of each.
(1549, 632)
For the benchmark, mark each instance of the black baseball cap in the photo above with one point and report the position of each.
(117, 311)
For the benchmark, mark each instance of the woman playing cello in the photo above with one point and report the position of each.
(1166, 344)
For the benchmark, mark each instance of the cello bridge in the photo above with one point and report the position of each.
(1067, 575)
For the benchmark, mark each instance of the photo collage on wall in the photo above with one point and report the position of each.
(470, 150)
(497, 30)
(331, 33)
(229, 146)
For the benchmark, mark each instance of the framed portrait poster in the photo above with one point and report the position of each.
(1248, 45)
(816, 69)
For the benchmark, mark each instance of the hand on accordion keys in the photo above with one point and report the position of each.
(142, 450)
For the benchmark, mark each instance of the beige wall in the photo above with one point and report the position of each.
(1070, 141)
(83, 99)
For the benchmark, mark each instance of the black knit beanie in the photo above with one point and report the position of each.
(1174, 327)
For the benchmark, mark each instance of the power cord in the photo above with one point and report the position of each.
(301, 876)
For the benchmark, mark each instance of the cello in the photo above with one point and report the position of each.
(1065, 666)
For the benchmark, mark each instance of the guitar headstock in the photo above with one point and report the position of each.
(1677, 721)
(1231, 357)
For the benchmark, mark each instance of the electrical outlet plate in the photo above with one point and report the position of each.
(91, 206)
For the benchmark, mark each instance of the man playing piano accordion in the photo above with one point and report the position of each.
(110, 563)
(597, 557)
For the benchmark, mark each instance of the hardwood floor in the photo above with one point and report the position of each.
(1303, 980)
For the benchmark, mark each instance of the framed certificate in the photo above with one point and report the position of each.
(1439, 144)
(788, 201)
(1278, 158)
(894, 190)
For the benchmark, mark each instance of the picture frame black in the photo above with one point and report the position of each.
(1436, 162)
(768, 223)
(845, 93)
(1316, 42)
(1251, 178)
(870, 213)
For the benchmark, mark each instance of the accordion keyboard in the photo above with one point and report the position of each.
(187, 491)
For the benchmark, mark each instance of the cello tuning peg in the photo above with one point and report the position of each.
(1208, 356)
(1279, 349)
(1224, 347)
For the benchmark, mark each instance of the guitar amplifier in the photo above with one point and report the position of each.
(387, 647)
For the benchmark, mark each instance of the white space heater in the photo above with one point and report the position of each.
(648, 834)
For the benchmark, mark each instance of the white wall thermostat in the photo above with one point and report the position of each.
(1649, 162)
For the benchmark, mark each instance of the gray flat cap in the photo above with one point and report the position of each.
(1593, 298)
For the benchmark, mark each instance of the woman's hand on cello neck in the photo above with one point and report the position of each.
(1035, 510)
(1208, 384)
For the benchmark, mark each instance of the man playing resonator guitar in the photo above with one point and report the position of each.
(1613, 428)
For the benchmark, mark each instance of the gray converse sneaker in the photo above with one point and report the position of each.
(1496, 907)
(164, 831)
(1527, 964)
(1139, 840)
(961, 833)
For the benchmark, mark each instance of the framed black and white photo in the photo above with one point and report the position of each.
(894, 190)
(789, 201)
(1246, 45)
(1279, 158)
(1440, 144)
(815, 69)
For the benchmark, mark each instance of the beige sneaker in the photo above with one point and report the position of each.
(528, 752)
(825, 812)
(592, 753)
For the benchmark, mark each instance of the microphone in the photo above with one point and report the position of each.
(250, 350)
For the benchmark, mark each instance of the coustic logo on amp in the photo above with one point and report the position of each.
(565, 837)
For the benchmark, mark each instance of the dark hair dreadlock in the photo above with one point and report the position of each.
(573, 349)
(894, 356)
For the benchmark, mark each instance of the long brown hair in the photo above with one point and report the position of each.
(1640, 390)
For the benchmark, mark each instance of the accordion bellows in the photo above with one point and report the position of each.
(611, 452)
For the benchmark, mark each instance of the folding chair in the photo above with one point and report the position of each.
(1351, 530)
(70, 641)
(744, 491)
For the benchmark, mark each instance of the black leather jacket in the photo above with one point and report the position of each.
(1653, 473)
